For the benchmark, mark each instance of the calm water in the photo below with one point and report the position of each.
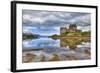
(48, 49)
(42, 42)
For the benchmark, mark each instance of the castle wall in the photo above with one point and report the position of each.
(72, 28)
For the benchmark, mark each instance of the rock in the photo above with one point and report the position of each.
(42, 58)
(28, 58)
(71, 57)
(55, 58)
(87, 51)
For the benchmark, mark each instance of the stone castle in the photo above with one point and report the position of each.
(72, 28)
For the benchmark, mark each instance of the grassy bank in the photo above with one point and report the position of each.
(72, 35)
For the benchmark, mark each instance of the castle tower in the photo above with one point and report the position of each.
(72, 28)
(63, 30)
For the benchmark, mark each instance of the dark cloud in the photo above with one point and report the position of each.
(53, 18)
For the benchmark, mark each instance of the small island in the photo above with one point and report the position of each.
(29, 36)
(71, 32)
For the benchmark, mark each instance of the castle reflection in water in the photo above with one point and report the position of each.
(69, 49)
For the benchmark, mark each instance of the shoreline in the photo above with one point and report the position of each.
(71, 37)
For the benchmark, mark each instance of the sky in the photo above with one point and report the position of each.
(49, 22)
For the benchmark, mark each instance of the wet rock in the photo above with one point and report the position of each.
(42, 58)
(87, 54)
(55, 57)
(28, 58)
(71, 57)
(87, 51)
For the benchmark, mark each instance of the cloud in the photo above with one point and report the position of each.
(85, 28)
(54, 18)
(41, 30)
(84, 20)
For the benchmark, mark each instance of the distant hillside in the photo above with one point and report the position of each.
(29, 36)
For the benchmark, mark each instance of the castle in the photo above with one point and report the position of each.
(72, 28)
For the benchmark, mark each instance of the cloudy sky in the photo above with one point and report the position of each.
(49, 22)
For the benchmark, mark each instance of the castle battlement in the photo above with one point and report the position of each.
(72, 28)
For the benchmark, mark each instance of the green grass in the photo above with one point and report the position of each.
(73, 34)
